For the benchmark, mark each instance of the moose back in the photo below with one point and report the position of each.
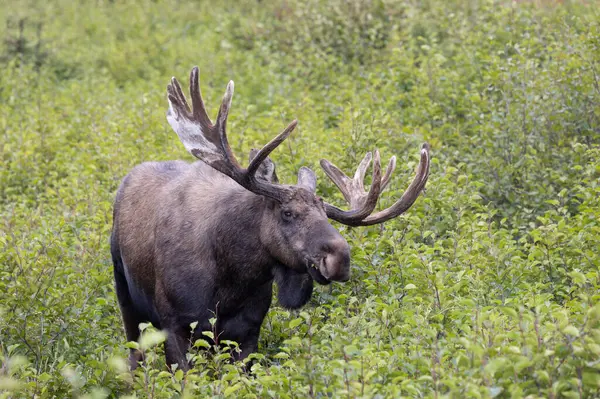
(194, 241)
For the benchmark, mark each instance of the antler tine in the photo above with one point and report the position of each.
(410, 195)
(359, 176)
(361, 203)
(222, 124)
(177, 98)
(208, 142)
(225, 106)
(198, 108)
(405, 201)
(269, 147)
(348, 187)
(388, 173)
(344, 183)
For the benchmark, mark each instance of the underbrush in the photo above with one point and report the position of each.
(487, 287)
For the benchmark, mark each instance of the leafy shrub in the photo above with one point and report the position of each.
(487, 287)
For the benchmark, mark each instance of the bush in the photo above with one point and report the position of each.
(487, 287)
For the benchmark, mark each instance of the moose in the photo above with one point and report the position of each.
(195, 241)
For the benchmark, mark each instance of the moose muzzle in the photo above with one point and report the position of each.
(335, 262)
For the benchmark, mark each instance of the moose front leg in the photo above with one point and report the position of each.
(243, 325)
(177, 346)
(250, 345)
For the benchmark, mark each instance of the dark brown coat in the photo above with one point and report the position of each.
(207, 239)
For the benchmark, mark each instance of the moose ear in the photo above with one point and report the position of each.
(307, 179)
(266, 170)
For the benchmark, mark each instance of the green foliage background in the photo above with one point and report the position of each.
(487, 287)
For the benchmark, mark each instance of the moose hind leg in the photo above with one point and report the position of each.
(178, 334)
(131, 317)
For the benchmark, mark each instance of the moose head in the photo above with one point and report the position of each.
(191, 241)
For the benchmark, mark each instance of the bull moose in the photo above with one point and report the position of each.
(194, 241)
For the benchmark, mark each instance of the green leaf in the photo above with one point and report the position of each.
(200, 343)
(296, 322)
(578, 277)
(591, 379)
(232, 389)
(571, 330)
(281, 355)
(178, 375)
(151, 338)
(9, 384)
(132, 345)
(495, 365)
(510, 312)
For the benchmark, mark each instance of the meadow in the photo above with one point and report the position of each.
(487, 287)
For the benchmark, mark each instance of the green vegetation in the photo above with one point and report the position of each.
(487, 287)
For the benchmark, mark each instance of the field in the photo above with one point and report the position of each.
(487, 287)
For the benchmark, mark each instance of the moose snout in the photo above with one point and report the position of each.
(335, 265)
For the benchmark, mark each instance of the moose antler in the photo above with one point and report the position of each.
(361, 202)
(208, 141)
(354, 192)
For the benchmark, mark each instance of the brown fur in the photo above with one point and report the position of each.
(189, 244)
(196, 241)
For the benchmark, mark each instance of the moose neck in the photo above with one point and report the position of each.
(238, 247)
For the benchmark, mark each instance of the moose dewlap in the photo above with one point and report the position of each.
(191, 241)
